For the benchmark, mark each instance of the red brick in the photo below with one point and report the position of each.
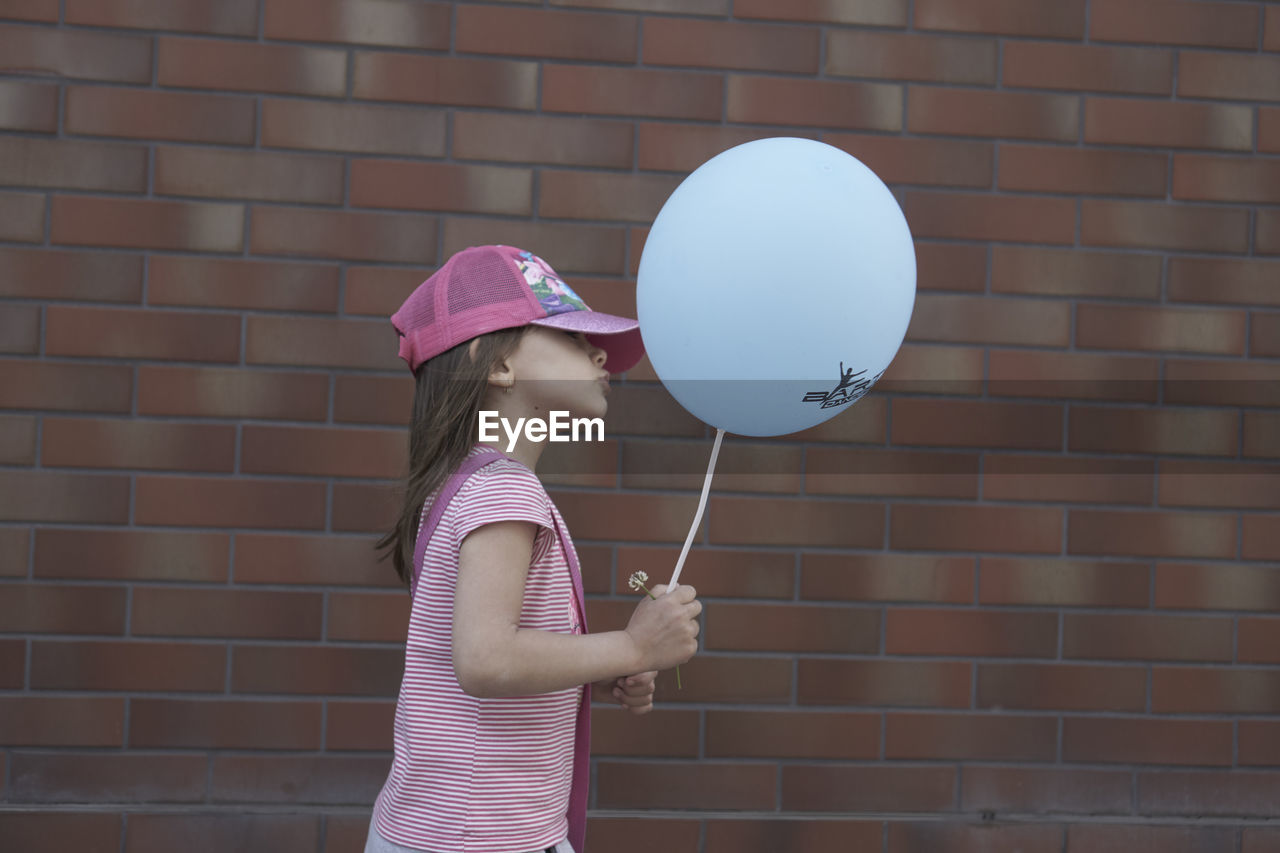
(1222, 586)
(403, 237)
(1145, 741)
(1089, 68)
(1214, 690)
(75, 54)
(952, 632)
(884, 682)
(1267, 233)
(1043, 168)
(29, 106)
(601, 195)
(50, 274)
(1271, 41)
(716, 573)
(1221, 382)
(18, 440)
(1040, 19)
(345, 834)
(316, 670)
(1063, 583)
(1219, 75)
(1073, 375)
(378, 292)
(1062, 687)
(284, 69)
(1146, 636)
(32, 10)
(774, 734)
(1167, 124)
(108, 778)
(935, 370)
(875, 13)
(906, 837)
(446, 80)
(1262, 434)
(737, 679)
(131, 554)
(704, 785)
(542, 139)
(741, 466)
(840, 471)
(49, 609)
(988, 737)
(358, 128)
(931, 59)
(762, 835)
(182, 225)
(323, 780)
(976, 528)
(168, 612)
(144, 334)
(49, 722)
(538, 33)
(661, 733)
(1258, 640)
(1214, 178)
(1157, 226)
(682, 148)
(230, 18)
(234, 283)
(35, 162)
(1159, 431)
(122, 665)
(20, 329)
(631, 92)
(985, 320)
(248, 175)
(35, 495)
(306, 560)
(1040, 790)
(957, 423)
(1179, 22)
(1195, 330)
(729, 45)
(771, 521)
(376, 617)
(815, 103)
(113, 443)
(158, 115)
(15, 550)
(1269, 124)
(1209, 794)
(228, 502)
(974, 216)
(62, 829)
(197, 833)
(231, 393)
(931, 162)
(1258, 744)
(391, 24)
(1147, 839)
(776, 627)
(201, 724)
(328, 452)
(1224, 280)
(361, 508)
(359, 725)
(835, 788)
(570, 248)
(1264, 335)
(22, 217)
(1151, 534)
(13, 665)
(1228, 485)
(1074, 272)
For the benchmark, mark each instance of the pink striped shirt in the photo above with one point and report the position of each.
(481, 775)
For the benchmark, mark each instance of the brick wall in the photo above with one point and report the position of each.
(1023, 597)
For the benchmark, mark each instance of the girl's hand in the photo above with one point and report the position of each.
(664, 629)
(635, 692)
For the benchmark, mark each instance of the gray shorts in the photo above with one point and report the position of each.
(378, 844)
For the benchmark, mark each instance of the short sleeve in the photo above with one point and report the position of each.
(501, 491)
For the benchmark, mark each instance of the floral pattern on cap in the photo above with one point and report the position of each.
(553, 294)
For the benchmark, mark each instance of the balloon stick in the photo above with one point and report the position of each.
(702, 504)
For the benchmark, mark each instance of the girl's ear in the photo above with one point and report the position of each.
(502, 375)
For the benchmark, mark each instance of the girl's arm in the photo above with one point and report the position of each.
(494, 657)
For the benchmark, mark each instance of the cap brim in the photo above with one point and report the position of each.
(619, 337)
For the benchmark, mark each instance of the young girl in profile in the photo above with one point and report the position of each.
(492, 721)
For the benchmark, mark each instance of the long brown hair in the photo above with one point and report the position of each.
(446, 408)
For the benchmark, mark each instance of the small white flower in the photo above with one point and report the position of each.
(638, 580)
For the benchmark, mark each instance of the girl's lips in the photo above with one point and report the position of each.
(604, 383)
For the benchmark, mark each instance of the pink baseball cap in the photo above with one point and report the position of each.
(486, 288)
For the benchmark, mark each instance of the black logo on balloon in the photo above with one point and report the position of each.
(851, 388)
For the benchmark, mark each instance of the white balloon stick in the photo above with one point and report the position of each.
(702, 504)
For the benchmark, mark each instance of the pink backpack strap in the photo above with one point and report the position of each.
(468, 467)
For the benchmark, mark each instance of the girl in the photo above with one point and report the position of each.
(492, 722)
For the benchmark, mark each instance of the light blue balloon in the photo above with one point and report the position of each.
(775, 286)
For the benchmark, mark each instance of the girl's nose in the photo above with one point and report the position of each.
(598, 355)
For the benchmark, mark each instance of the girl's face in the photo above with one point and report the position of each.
(560, 371)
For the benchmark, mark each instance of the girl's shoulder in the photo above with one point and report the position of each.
(505, 488)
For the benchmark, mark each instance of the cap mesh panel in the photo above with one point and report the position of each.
(489, 280)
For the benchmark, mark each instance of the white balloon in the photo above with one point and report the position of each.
(775, 286)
